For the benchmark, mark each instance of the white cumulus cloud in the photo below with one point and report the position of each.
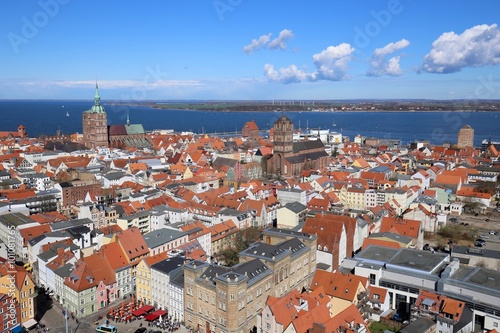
(265, 41)
(279, 42)
(290, 74)
(257, 43)
(475, 47)
(380, 65)
(331, 64)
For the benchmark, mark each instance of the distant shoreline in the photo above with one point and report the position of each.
(256, 107)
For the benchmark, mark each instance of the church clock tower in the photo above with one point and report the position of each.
(95, 124)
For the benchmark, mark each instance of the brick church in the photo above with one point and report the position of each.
(290, 158)
(97, 133)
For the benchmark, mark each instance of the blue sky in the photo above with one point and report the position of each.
(249, 49)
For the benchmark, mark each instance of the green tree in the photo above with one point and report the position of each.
(335, 151)
(228, 256)
(246, 237)
(241, 242)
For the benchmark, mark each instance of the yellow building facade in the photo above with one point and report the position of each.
(16, 282)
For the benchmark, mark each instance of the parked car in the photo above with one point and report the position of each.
(481, 241)
(492, 232)
(141, 330)
(426, 247)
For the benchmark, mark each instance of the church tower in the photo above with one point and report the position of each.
(95, 124)
(282, 145)
(283, 135)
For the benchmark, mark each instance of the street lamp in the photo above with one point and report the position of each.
(65, 314)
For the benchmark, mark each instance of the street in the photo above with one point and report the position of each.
(54, 320)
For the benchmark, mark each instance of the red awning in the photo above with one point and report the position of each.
(146, 308)
(159, 312)
(143, 310)
(151, 317)
(138, 312)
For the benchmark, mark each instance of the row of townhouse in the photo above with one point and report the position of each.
(88, 283)
(358, 196)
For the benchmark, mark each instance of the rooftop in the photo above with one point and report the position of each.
(162, 236)
(424, 261)
(168, 265)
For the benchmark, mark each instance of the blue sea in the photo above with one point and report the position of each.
(48, 116)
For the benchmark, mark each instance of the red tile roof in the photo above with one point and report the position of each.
(410, 228)
(49, 217)
(81, 278)
(338, 285)
(133, 244)
(32, 232)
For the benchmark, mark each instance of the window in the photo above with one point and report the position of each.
(400, 299)
(372, 279)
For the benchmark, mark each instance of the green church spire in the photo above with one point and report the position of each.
(97, 107)
(97, 98)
